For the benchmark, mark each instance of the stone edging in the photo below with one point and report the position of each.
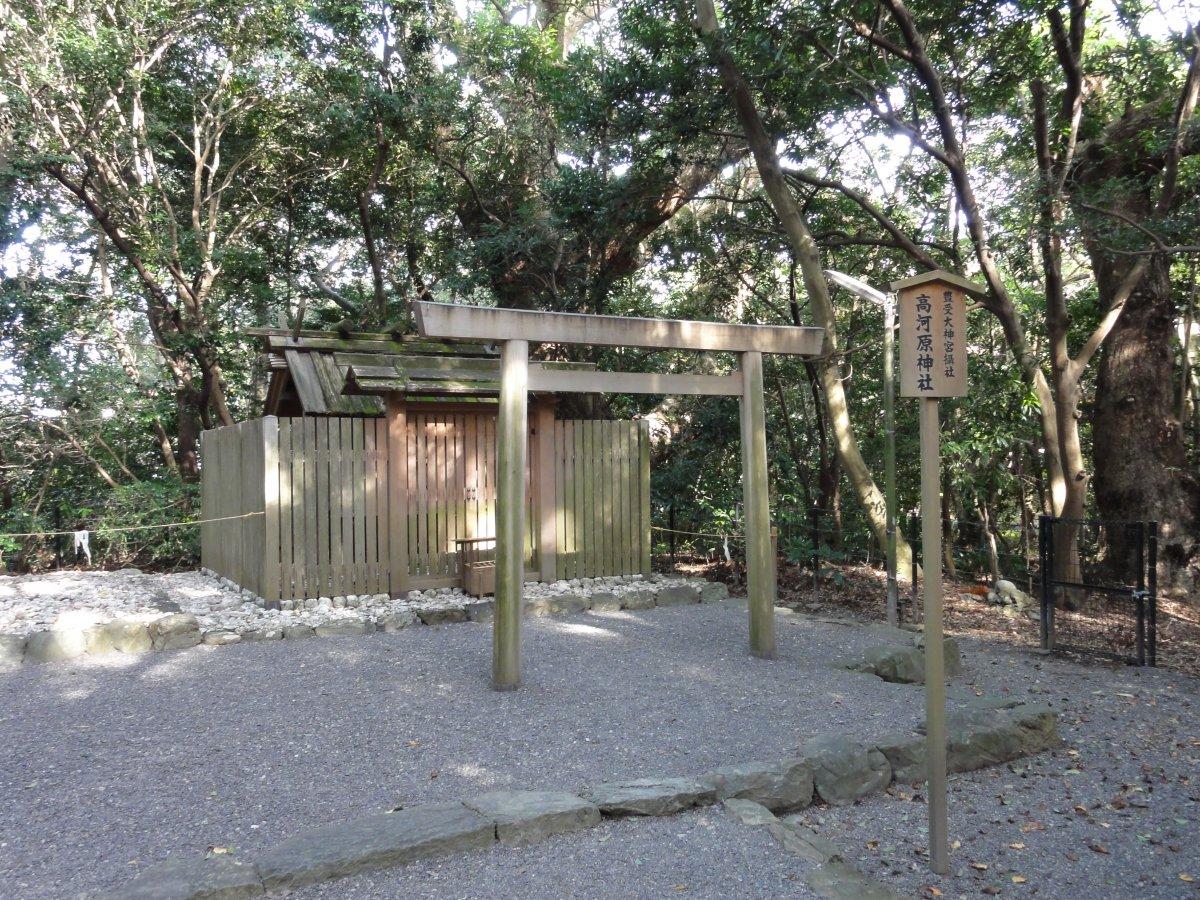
(180, 630)
(832, 768)
(833, 877)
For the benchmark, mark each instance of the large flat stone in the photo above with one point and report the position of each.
(780, 786)
(266, 633)
(118, 636)
(526, 817)
(12, 649)
(714, 592)
(442, 615)
(565, 604)
(604, 601)
(219, 877)
(481, 610)
(222, 637)
(747, 812)
(845, 769)
(643, 598)
(678, 595)
(950, 654)
(1001, 736)
(176, 631)
(345, 627)
(905, 753)
(900, 665)
(838, 880)
(298, 632)
(650, 796)
(799, 840)
(374, 842)
(904, 663)
(536, 606)
(398, 621)
(56, 644)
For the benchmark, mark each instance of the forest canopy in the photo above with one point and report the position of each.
(173, 172)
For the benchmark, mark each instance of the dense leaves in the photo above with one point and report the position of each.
(171, 173)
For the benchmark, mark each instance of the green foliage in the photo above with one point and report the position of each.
(480, 159)
(145, 507)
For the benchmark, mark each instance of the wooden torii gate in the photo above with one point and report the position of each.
(516, 329)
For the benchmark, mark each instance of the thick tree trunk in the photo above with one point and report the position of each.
(1137, 439)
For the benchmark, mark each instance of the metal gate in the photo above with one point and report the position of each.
(1099, 589)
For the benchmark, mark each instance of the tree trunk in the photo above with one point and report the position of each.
(1137, 440)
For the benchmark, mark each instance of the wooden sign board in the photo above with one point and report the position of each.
(933, 340)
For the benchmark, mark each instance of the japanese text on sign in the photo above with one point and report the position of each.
(933, 352)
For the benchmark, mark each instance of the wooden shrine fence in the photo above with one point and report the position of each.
(318, 509)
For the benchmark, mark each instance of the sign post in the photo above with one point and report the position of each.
(933, 364)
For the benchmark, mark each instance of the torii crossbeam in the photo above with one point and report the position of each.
(516, 329)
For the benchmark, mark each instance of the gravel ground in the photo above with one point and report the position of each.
(111, 763)
(1115, 813)
(698, 854)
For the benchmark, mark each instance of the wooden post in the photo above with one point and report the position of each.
(935, 677)
(756, 501)
(397, 496)
(933, 364)
(510, 514)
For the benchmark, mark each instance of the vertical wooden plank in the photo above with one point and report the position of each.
(600, 483)
(756, 503)
(615, 430)
(579, 472)
(238, 496)
(471, 474)
(546, 519)
(287, 474)
(562, 490)
(620, 500)
(311, 506)
(581, 495)
(322, 490)
(604, 494)
(560, 549)
(371, 525)
(342, 526)
(643, 430)
(205, 501)
(424, 504)
(272, 557)
(300, 506)
(399, 465)
(382, 524)
(433, 485)
(358, 433)
(513, 432)
(632, 509)
(586, 469)
(458, 492)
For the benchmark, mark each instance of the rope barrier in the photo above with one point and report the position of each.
(736, 537)
(73, 531)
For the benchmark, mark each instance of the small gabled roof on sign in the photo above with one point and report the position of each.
(978, 291)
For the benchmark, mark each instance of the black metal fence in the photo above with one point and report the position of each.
(1099, 593)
